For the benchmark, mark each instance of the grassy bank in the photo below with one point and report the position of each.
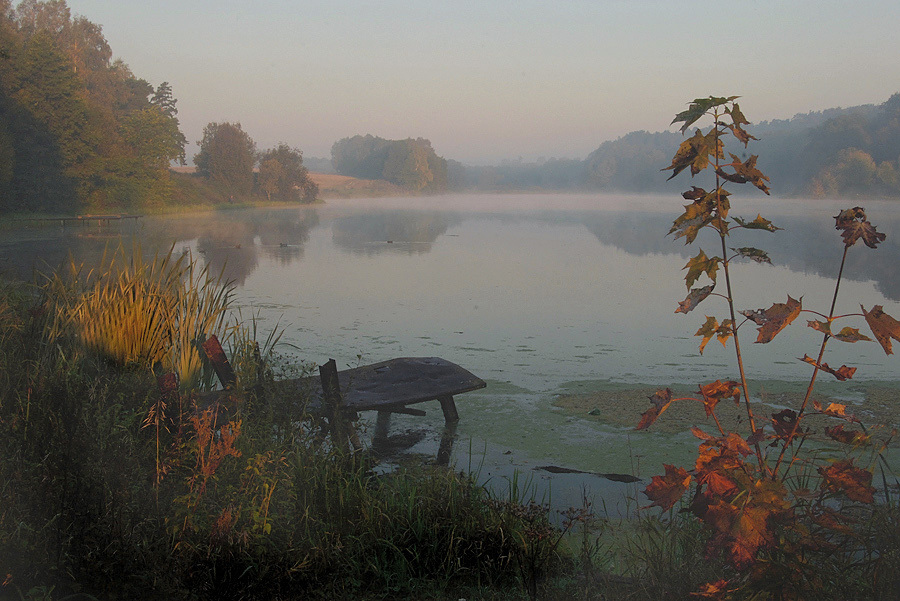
(118, 481)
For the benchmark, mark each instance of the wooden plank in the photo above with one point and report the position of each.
(396, 383)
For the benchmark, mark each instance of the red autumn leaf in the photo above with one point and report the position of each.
(666, 490)
(694, 298)
(845, 478)
(883, 326)
(784, 422)
(842, 373)
(661, 400)
(715, 591)
(718, 390)
(739, 531)
(853, 225)
(846, 436)
(774, 319)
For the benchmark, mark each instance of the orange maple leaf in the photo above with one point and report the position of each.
(716, 591)
(666, 490)
(661, 400)
(774, 319)
(716, 391)
(854, 482)
(883, 326)
(853, 225)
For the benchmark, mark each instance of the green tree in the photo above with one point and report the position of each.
(283, 176)
(226, 157)
(407, 165)
(164, 99)
(155, 137)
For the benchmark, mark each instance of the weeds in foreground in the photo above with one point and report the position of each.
(785, 519)
(119, 484)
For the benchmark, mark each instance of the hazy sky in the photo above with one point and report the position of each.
(496, 79)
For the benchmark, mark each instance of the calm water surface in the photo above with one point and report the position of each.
(538, 295)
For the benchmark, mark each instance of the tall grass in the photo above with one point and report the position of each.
(144, 314)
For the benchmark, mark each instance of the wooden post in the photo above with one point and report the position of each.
(219, 361)
(446, 447)
(448, 406)
(333, 403)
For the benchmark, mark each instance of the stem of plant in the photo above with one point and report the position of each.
(812, 379)
(734, 333)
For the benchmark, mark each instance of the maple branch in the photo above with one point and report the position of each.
(812, 380)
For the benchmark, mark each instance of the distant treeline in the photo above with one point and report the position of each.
(411, 164)
(851, 152)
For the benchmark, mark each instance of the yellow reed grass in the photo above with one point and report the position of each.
(153, 313)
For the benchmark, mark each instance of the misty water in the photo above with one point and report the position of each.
(539, 295)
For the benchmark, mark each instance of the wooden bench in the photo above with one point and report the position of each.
(388, 387)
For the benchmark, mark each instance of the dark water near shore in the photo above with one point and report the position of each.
(539, 295)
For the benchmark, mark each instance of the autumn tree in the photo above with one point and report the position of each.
(226, 157)
(283, 177)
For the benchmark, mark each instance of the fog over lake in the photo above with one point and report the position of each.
(538, 295)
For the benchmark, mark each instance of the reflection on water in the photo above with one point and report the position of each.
(530, 293)
(403, 231)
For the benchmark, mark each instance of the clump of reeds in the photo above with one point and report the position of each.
(142, 313)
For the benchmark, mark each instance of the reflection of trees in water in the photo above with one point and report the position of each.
(407, 232)
(806, 244)
(231, 243)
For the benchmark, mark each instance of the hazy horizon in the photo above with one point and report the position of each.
(504, 80)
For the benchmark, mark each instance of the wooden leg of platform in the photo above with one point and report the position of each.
(449, 408)
(382, 426)
(446, 448)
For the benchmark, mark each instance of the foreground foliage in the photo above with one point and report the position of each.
(779, 510)
(119, 483)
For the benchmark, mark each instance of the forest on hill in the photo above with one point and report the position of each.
(79, 131)
(840, 152)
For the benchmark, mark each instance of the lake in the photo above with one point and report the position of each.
(543, 296)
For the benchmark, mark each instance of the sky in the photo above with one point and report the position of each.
(494, 80)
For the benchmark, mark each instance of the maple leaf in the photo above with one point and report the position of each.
(883, 326)
(716, 391)
(696, 215)
(774, 319)
(849, 334)
(694, 298)
(666, 490)
(661, 400)
(695, 152)
(760, 223)
(784, 422)
(835, 410)
(820, 326)
(842, 373)
(699, 265)
(711, 328)
(715, 591)
(846, 436)
(739, 531)
(748, 252)
(845, 478)
(853, 225)
(744, 172)
(698, 108)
